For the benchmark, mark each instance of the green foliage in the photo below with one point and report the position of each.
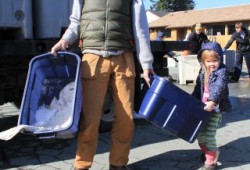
(172, 5)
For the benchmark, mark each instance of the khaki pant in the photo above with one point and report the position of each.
(97, 73)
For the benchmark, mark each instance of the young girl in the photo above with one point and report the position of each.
(212, 88)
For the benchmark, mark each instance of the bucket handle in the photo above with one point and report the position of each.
(46, 136)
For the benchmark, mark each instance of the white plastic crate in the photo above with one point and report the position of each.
(229, 59)
(173, 69)
(51, 16)
(17, 14)
(189, 67)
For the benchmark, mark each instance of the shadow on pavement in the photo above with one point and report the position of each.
(172, 160)
(36, 151)
(233, 154)
(24, 150)
(240, 110)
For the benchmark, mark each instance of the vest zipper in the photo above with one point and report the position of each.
(106, 25)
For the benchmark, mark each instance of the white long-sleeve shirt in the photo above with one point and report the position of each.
(140, 30)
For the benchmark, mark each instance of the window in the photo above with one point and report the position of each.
(167, 32)
(231, 29)
(216, 30)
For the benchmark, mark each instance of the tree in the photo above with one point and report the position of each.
(172, 5)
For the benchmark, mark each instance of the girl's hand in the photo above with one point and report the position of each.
(209, 106)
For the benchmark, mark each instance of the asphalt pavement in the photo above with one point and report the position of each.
(152, 147)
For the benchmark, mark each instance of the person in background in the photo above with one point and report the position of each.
(198, 37)
(107, 34)
(212, 89)
(187, 35)
(241, 36)
(159, 37)
(170, 54)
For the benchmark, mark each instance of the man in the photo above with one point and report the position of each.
(198, 37)
(241, 36)
(108, 30)
(159, 36)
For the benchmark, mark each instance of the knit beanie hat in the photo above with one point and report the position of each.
(211, 45)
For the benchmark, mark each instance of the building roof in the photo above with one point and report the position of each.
(214, 15)
(158, 13)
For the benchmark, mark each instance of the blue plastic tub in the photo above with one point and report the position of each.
(44, 104)
(173, 109)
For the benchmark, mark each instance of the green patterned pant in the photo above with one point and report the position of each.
(208, 132)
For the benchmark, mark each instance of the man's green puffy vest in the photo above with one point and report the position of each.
(106, 25)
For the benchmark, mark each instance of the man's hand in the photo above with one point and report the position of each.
(61, 45)
(146, 75)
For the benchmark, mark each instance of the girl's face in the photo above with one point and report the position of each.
(210, 60)
(211, 64)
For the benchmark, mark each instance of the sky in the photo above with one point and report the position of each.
(204, 4)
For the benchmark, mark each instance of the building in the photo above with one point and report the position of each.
(154, 15)
(219, 23)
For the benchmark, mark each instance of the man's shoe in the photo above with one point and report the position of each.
(112, 167)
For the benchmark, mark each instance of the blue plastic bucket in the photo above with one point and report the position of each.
(173, 109)
(46, 78)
